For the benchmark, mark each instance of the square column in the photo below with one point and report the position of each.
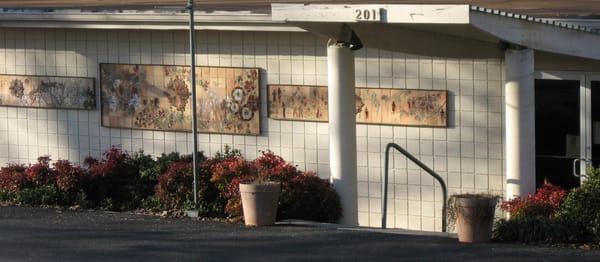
(520, 122)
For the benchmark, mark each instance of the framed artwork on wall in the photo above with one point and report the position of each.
(158, 97)
(289, 102)
(407, 107)
(228, 100)
(48, 92)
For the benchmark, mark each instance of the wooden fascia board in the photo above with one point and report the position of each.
(408, 13)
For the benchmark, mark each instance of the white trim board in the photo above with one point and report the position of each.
(424, 14)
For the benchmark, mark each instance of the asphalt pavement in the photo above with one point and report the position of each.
(41, 234)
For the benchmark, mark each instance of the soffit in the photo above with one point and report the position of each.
(444, 30)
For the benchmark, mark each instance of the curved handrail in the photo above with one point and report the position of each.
(421, 165)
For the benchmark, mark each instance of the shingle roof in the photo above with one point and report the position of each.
(553, 22)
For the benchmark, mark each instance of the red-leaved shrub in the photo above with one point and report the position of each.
(69, 178)
(112, 164)
(174, 189)
(175, 186)
(227, 174)
(41, 174)
(13, 178)
(544, 203)
(304, 195)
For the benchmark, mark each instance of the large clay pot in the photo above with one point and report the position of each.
(259, 202)
(475, 217)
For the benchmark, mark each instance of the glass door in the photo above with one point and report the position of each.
(567, 109)
(593, 132)
(560, 124)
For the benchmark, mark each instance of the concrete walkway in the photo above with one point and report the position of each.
(36, 234)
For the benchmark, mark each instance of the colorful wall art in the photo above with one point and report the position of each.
(373, 105)
(228, 100)
(158, 97)
(298, 102)
(48, 92)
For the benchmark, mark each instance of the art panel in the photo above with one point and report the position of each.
(298, 102)
(228, 100)
(158, 97)
(373, 105)
(48, 92)
(420, 107)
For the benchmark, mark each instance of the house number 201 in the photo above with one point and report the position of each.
(366, 15)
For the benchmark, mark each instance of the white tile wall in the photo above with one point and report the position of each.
(468, 154)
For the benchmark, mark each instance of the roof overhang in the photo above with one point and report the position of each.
(459, 31)
(140, 20)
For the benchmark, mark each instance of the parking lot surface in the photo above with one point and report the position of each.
(40, 234)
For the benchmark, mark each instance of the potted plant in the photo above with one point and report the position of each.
(244, 186)
(473, 215)
(259, 202)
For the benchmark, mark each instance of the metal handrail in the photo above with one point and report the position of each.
(421, 165)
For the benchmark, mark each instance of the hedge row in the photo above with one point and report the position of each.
(121, 181)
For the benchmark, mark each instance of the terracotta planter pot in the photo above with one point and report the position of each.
(259, 202)
(475, 218)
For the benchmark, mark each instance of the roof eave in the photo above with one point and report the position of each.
(539, 34)
(429, 29)
(151, 20)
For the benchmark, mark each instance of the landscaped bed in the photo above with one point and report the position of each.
(122, 182)
(555, 216)
(137, 182)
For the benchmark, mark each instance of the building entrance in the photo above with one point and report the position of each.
(567, 128)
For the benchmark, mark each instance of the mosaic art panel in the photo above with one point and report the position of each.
(373, 105)
(47, 92)
(158, 97)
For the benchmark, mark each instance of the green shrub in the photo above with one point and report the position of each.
(45, 195)
(535, 229)
(174, 189)
(137, 185)
(115, 183)
(308, 197)
(227, 152)
(210, 201)
(581, 208)
(151, 203)
(6, 196)
(550, 217)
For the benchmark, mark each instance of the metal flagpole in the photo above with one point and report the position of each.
(190, 8)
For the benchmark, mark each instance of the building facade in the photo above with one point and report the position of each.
(495, 105)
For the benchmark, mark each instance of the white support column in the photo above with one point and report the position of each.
(342, 129)
(520, 122)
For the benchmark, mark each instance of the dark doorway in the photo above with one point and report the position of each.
(557, 131)
(595, 86)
